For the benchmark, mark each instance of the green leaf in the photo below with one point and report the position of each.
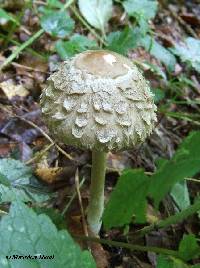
(145, 8)
(189, 248)
(143, 25)
(180, 195)
(50, 5)
(96, 12)
(21, 184)
(87, 260)
(57, 23)
(54, 215)
(122, 41)
(128, 199)
(7, 17)
(170, 262)
(185, 163)
(164, 262)
(133, 187)
(14, 170)
(76, 44)
(54, 4)
(24, 233)
(142, 11)
(4, 180)
(159, 52)
(189, 52)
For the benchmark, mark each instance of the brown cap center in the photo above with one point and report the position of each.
(104, 63)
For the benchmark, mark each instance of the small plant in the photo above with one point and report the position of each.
(98, 100)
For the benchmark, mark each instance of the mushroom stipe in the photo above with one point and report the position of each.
(98, 100)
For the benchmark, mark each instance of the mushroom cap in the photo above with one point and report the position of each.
(98, 100)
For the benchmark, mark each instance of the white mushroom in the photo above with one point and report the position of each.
(98, 100)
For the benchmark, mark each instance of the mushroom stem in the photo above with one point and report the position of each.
(96, 203)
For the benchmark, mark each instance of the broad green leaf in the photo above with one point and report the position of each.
(160, 162)
(164, 262)
(7, 17)
(24, 233)
(54, 4)
(180, 195)
(143, 25)
(76, 44)
(96, 12)
(189, 248)
(21, 184)
(4, 180)
(185, 163)
(189, 52)
(50, 5)
(57, 23)
(122, 41)
(54, 215)
(127, 200)
(145, 8)
(14, 170)
(87, 260)
(170, 262)
(159, 52)
(129, 196)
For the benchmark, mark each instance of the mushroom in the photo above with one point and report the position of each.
(98, 100)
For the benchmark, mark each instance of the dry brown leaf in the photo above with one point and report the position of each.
(118, 161)
(49, 175)
(11, 90)
(53, 174)
(5, 149)
(152, 215)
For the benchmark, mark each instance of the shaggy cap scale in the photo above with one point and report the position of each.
(98, 100)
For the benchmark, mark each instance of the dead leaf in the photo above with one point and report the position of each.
(53, 174)
(49, 175)
(5, 149)
(118, 161)
(11, 90)
(152, 215)
(191, 19)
